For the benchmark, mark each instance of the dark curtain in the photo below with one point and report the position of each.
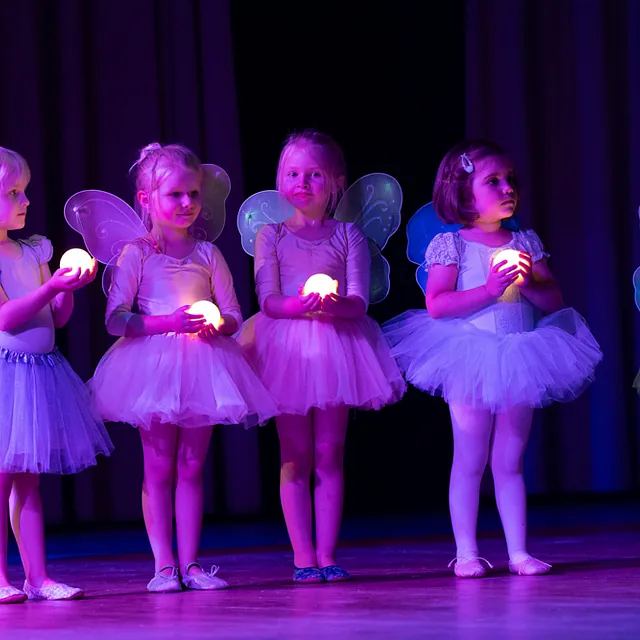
(558, 83)
(86, 85)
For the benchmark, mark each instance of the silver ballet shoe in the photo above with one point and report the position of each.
(205, 581)
(56, 591)
(162, 583)
(11, 595)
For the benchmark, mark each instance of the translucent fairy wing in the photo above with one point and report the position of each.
(374, 204)
(105, 222)
(380, 275)
(265, 207)
(107, 274)
(216, 187)
(423, 226)
(636, 281)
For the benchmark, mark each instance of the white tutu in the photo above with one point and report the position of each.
(453, 358)
(47, 424)
(179, 379)
(320, 361)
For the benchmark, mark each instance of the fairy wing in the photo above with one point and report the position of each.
(423, 226)
(374, 203)
(265, 207)
(636, 281)
(216, 187)
(106, 224)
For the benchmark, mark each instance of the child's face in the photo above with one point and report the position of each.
(494, 194)
(177, 202)
(13, 203)
(304, 181)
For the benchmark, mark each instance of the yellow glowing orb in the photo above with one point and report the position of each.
(76, 259)
(321, 284)
(207, 309)
(513, 258)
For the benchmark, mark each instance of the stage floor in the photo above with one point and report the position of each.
(401, 589)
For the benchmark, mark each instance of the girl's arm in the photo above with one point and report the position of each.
(443, 301)
(267, 274)
(15, 312)
(539, 286)
(121, 321)
(224, 294)
(358, 273)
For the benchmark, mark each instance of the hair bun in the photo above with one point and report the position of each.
(148, 150)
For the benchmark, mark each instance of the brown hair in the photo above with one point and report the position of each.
(452, 191)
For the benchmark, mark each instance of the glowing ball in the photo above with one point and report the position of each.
(321, 284)
(76, 259)
(207, 309)
(513, 259)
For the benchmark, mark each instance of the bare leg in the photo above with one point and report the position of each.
(296, 461)
(6, 480)
(159, 449)
(193, 446)
(329, 433)
(27, 522)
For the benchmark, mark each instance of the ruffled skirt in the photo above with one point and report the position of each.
(322, 362)
(179, 379)
(452, 358)
(47, 423)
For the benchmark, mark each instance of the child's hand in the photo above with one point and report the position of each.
(334, 305)
(526, 270)
(499, 280)
(60, 282)
(210, 332)
(180, 321)
(309, 303)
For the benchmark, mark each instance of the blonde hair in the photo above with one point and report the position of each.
(154, 165)
(330, 157)
(12, 166)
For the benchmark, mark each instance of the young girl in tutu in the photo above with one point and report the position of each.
(480, 347)
(46, 423)
(172, 375)
(317, 356)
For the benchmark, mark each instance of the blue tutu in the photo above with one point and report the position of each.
(47, 424)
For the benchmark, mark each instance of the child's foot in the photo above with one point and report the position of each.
(307, 575)
(201, 580)
(11, 595)
(529, 566)
(165, 581)
(335, 573)
(470, 567)
(51, 590)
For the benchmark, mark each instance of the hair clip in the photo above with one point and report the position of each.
(467, 165)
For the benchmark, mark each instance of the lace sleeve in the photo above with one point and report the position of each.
(532, 244)
(444, 249)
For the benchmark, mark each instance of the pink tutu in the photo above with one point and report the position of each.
(555, 361)
(322, 362)
(179, 379)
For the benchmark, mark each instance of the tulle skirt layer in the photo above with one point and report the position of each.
(47, 424)
(453, 358)
(179, 379)
(322, 362)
